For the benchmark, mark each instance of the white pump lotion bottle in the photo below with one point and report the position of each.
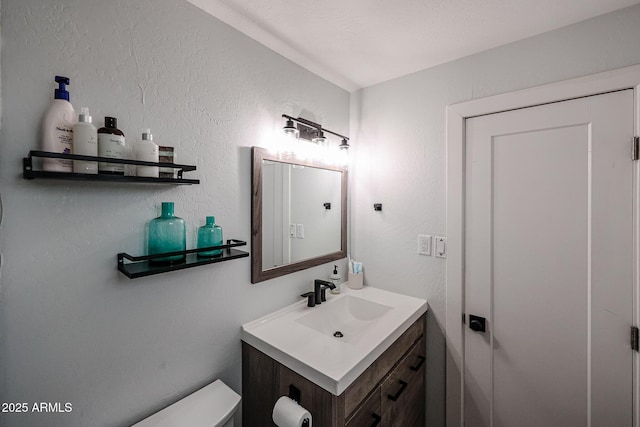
(57, 129)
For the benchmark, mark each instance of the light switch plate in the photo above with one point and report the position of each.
(440, 247)
(300, 231)
(424, 245)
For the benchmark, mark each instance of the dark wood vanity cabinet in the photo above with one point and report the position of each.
(402, 393)
(389, 393)
(369, 413)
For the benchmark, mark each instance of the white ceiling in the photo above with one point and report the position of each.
(358, 43)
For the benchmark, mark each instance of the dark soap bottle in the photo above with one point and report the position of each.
(111, 144)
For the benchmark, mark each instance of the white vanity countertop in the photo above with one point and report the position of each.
(333, 363)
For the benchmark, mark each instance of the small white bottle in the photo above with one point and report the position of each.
(335, 279)
(57, 129)
(147, 151)
(85, 143)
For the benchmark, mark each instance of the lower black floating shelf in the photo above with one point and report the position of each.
(140, 266)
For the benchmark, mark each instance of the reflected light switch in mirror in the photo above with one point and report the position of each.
(300, 231)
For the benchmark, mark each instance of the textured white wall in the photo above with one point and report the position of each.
(399, 152)
(73, 329)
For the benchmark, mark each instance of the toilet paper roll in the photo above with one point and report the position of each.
(287, 413)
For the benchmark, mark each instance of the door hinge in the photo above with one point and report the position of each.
(635, 148)
(635, 338)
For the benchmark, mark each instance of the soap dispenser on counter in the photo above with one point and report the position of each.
(335, 279)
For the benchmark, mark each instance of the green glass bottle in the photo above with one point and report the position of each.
(167, 233)
(210, 234)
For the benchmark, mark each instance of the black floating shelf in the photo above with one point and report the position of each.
(29, 173)
(140, 266)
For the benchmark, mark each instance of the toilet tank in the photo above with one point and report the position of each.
(213, 405)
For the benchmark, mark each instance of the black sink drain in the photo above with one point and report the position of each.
(338, 334)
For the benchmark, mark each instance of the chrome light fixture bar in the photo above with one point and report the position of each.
(311, 131)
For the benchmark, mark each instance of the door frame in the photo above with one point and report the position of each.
(456, 114)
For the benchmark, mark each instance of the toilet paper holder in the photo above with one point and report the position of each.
(294, 393)
(288, 412)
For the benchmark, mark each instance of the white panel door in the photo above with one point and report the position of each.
(549, 265)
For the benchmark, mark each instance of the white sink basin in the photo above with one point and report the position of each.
(302, 338)
(346, 319)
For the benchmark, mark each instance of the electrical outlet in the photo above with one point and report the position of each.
(300, 231)
(424, 245)
(440, 247)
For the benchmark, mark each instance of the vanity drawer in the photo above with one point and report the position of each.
(362, 386)
(402, 392)
(368, 415)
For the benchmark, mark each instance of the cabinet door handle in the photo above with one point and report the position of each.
(376, 419)
(396, 396)
(421, 360)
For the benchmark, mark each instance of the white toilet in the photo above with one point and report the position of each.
(212, 406)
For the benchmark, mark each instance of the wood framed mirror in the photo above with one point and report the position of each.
(298, 214)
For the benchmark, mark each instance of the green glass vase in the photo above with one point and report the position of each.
(209, 235)
(167, 233)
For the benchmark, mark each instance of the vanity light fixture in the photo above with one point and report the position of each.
(290, 129)
(319, 138)
(314, 132)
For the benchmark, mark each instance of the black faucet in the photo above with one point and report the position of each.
(311, 298)
(319, 293)
(320, 289)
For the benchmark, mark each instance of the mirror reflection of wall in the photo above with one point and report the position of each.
(301, 213)
(298, 214)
